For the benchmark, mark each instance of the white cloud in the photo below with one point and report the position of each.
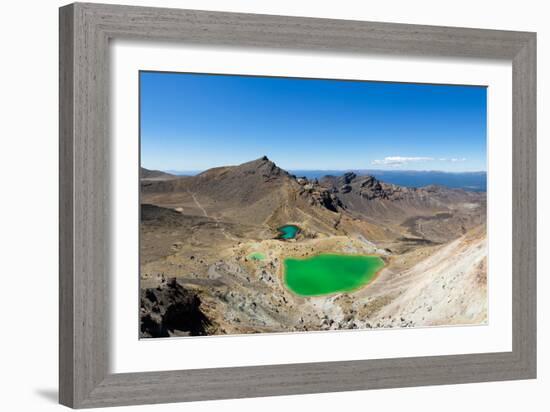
(452, 159)
(404, 160)
(400, 160)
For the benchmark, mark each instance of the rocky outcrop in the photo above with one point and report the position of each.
(267, 169)
(171, 310)
(319, 196)
(327, 200)
(368, 187)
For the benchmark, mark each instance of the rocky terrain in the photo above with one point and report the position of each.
(171, 310)
(201, 235)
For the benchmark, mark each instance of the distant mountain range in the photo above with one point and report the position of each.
(470, 181)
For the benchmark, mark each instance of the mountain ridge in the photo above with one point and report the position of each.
(260, 191)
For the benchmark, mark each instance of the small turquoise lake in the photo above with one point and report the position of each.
(288, 231)
(256, 256)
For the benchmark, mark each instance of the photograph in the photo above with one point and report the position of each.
(282, 205)
(275, 206)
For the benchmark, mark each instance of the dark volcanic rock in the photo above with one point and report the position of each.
(268, 169)
(368, 187)
(170, 309)
(348, 177)
(345, 189)
(326, 199)
(372, 189)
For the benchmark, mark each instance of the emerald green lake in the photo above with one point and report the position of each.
(288, 231)
(330, 273)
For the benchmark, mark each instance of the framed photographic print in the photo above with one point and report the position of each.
(303, 194)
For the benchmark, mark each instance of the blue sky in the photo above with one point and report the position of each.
(195, 122)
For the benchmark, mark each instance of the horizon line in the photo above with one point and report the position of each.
(329, 170)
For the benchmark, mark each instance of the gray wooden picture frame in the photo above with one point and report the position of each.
(85, 32)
